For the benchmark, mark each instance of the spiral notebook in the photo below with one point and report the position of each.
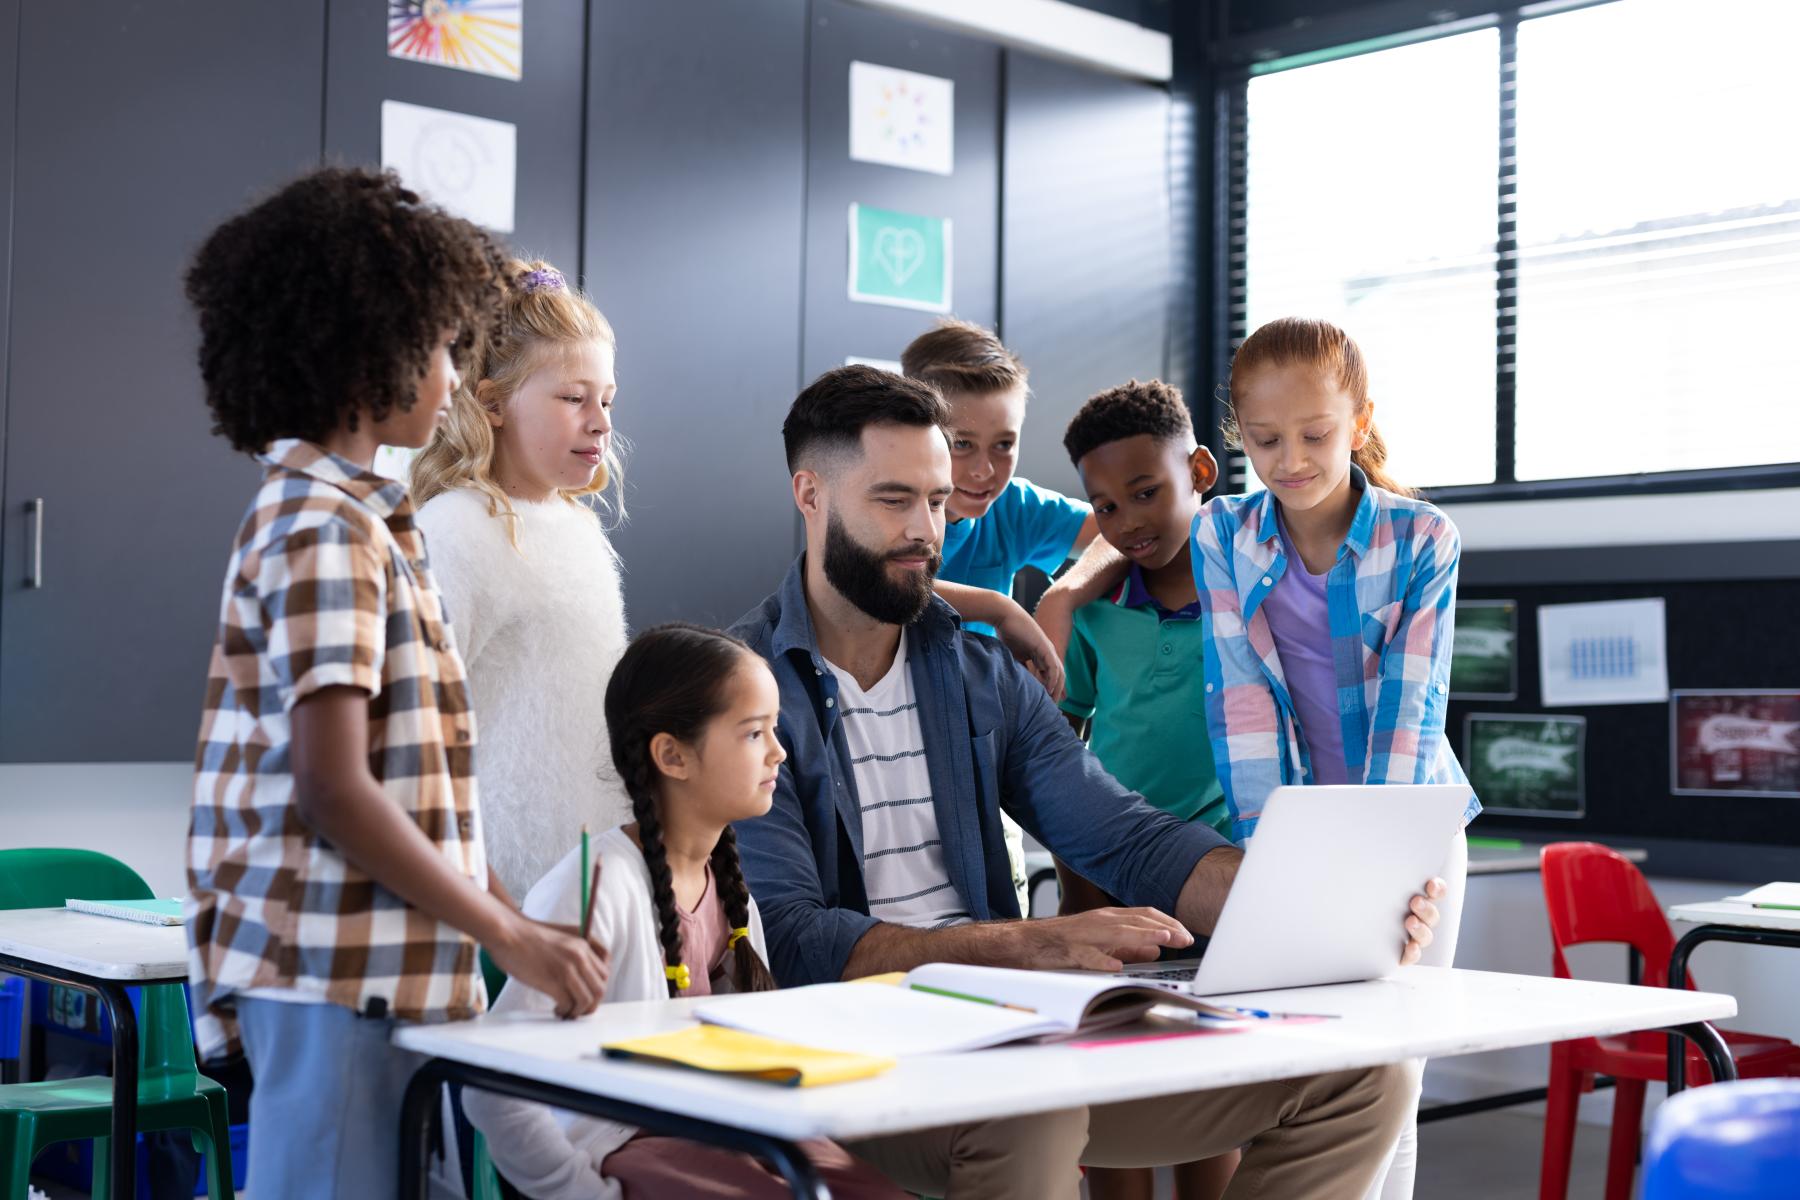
(144, 912)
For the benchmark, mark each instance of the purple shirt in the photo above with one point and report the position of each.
(1300, 621)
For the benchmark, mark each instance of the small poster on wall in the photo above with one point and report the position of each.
(899, 258)
(1484, 663)
(882, 364)
(1606, 652)
(1735, 743)
(471, 35)
(902, 118)
(1529, 766)
(464, 163)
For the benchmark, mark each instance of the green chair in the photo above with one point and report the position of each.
(172, 1094)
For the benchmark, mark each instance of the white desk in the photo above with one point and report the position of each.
(1723, 921)
(101, 955)
(1420, 1011)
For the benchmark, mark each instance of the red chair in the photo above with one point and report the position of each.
(1595, 895)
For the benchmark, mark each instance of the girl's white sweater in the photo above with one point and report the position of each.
(550, 1153)
(541, 628)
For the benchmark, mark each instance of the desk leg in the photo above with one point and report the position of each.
(125, 1086)
(420, 1108)
(1706, 1039)
(1678, 977)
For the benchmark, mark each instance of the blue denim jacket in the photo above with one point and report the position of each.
(993, 740)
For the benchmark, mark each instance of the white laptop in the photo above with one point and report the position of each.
(1323, 892)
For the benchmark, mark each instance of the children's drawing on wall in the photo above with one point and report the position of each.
(471, 35)
(464, 163)
(902, 118)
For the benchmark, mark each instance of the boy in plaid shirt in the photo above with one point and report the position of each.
(336, 872)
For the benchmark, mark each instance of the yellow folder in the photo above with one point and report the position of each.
(733, 1052)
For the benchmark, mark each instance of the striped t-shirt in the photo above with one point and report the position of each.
(903, 856)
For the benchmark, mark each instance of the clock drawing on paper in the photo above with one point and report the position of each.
(901, 118)
(470, 35)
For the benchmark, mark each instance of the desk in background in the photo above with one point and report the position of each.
(1723, 921)
(101, 955)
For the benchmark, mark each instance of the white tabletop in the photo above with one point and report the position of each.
(1420, 1011)
(103, 947)
(1736, 912)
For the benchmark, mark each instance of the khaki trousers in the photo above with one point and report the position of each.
(1318, 1138)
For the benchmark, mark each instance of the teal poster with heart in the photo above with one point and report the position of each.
(899, 258)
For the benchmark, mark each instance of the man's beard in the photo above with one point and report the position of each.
(861, 576)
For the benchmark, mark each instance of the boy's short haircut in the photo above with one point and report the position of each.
(328, 298)
(830, 415)
(960, 357)
(1151, 407)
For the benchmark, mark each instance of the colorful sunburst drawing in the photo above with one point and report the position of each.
(470, 35)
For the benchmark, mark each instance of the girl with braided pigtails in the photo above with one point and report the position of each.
(690, 713)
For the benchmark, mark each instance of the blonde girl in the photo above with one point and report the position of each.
(530, 580)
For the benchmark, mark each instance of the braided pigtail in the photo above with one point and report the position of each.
(749, 973)
(635, 769)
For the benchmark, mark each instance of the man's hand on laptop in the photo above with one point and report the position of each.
(1420, 920)
(1104, 939)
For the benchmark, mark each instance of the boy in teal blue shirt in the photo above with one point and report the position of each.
(995, 523)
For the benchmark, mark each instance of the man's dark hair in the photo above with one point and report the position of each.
(1151, 407)
(835, 408)
(329, 298)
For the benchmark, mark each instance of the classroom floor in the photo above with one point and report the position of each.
(1487, 1156)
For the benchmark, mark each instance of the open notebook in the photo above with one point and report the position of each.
(943, 1008)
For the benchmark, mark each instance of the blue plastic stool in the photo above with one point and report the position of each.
(1729, 1141)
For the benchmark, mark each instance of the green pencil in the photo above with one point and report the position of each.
(919, 987)
(584, 868)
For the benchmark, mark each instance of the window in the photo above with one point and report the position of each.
(1659, 238)
(1620, 300)
(1369, 204)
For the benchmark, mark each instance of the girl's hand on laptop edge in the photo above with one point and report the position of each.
(1419, 921)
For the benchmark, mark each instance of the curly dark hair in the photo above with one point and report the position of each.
(1151, 407)
(326, 300)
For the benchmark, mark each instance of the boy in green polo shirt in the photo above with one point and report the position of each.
(1131, 662)
(1133, 684)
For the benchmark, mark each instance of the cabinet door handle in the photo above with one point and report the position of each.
(34, 571)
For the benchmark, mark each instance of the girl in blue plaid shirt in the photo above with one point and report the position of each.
(1329, 601)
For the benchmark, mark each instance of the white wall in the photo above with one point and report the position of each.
(136, 812)
(1742, 516)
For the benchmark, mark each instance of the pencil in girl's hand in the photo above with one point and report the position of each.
(584, 874)
(587, 905)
